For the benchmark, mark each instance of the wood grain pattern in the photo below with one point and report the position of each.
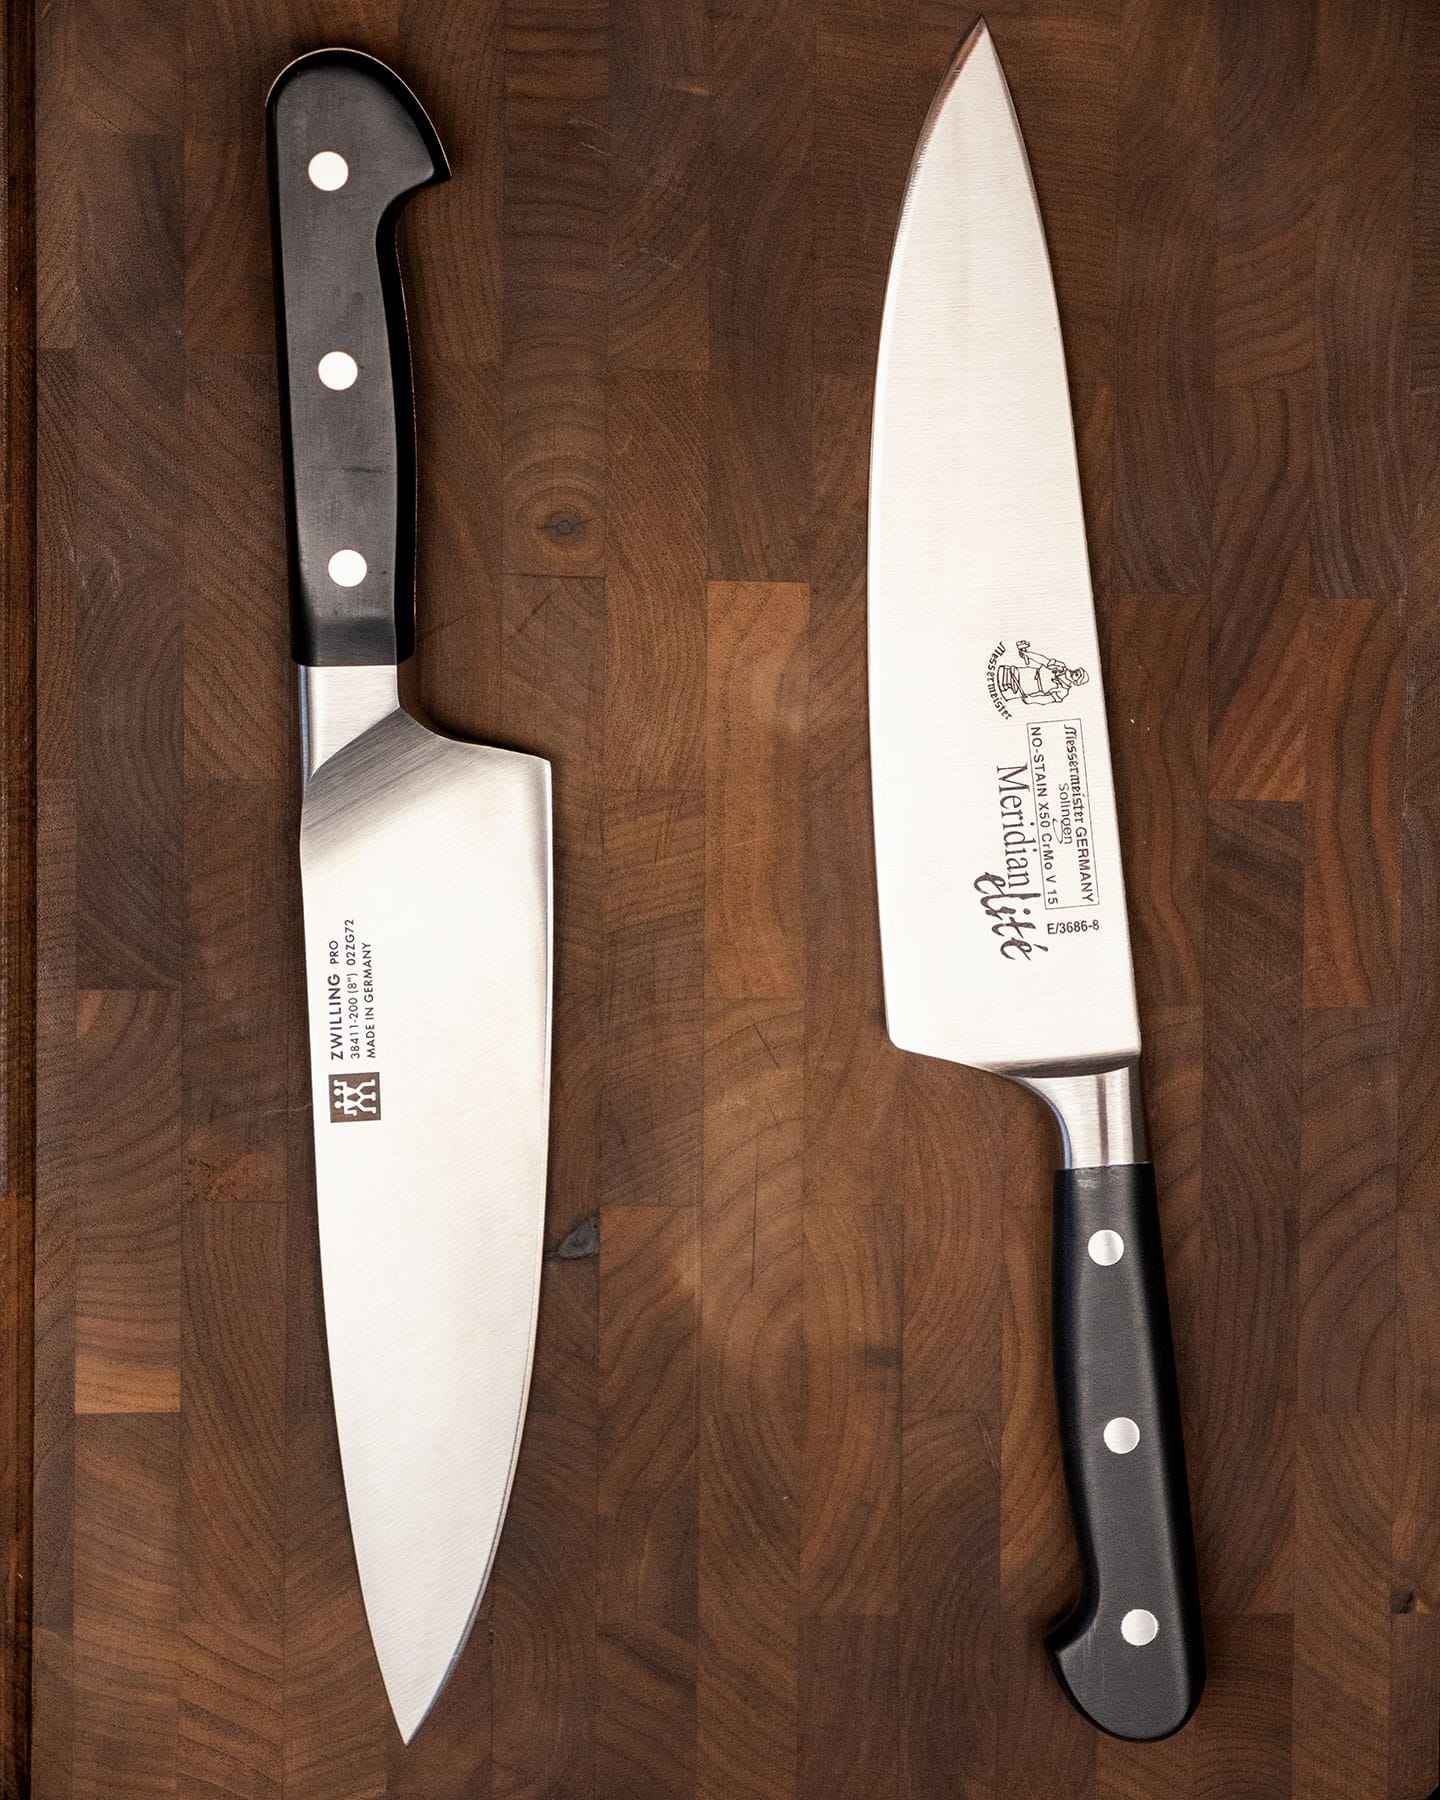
(556, 218)
(19, 1279)
(751, 1397)
(127, 1627)
(761, 290)
(1258, 615)
(1165, 316)
(659, 186)
(788, 1520)
(1367, 120)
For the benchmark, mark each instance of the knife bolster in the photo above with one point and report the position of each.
(1100, 1112)
(338, 703)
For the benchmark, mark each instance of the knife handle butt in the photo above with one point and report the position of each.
(349, 144)
(1130, 1655)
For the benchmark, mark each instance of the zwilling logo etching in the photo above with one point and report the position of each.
(354, 1097)
(349, 1005)
(1022, 677)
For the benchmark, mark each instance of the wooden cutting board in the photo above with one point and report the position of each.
(789, 1518)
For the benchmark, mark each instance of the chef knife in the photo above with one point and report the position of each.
(426, 873)
(1004, 934)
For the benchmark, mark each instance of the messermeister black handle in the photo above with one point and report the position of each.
(1131, 1655)
(349, 144)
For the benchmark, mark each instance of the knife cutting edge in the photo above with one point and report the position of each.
(1004, 935)
(426, 878)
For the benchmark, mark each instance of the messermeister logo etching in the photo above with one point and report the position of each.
(1047, 854)
(1026, 677)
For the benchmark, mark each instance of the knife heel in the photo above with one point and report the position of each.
(1130, 1655)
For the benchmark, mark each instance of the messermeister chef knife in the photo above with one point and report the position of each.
(1002, 910)
(426, 870)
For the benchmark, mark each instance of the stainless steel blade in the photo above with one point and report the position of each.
(426, 871)
(1002, 906)
(1002, 903)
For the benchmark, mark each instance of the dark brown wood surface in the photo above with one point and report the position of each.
(17, 877)
(788, 1518)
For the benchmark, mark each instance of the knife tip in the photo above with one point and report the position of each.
(977, 39)
(414, 1681)
(410, 1714)
(416, 1671)
(978, 52)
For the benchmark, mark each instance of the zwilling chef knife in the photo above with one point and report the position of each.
(426, 868)
(1002, 910)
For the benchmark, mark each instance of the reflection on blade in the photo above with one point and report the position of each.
(1003, 923)
(426, 869)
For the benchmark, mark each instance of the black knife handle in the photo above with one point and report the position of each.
(350, 440)
(1124, 1461)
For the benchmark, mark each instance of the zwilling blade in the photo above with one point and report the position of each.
(426, 872)
(1004, 935)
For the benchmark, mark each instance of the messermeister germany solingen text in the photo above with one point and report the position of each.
(1046, 865)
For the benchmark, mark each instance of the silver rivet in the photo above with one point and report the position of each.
(1106, 1247)
(328, 170)
(337, 369)
(1139, 1627)
(347, 568)
(1121, 1436)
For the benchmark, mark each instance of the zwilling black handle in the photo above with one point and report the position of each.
(349, 144)
(1130, 1656)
